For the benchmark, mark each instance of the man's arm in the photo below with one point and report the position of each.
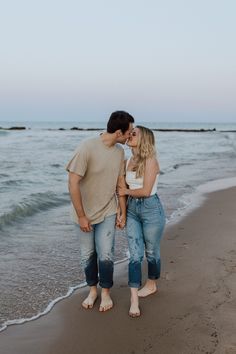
(75, 194)
(121, 216)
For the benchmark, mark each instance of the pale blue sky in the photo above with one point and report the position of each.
(171, 60)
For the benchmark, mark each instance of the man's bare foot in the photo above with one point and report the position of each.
(149, 288)
(134, 310)
(90, 299)
(106, 301)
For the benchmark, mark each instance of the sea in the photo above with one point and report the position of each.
(39, 250)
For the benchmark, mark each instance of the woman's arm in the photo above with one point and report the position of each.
(151, 170)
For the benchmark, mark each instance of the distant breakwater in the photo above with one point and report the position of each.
(201, 130)
(14, 128)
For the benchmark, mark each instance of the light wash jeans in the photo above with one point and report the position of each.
(145, 226)
(97, 252)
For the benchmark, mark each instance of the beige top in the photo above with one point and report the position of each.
(100, 166)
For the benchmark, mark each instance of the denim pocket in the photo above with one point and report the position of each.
(151, 202)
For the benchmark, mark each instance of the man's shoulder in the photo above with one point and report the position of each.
(90, 140)
(87, 142)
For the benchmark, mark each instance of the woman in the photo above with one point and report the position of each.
(145, 214)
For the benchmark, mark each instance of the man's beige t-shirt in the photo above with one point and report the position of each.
(100, 166)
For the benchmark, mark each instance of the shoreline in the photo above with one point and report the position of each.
(50, 306)
(66, 325)
(192, 202)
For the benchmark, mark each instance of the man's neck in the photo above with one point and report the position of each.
(108, 139)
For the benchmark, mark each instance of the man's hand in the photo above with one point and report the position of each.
(84, 223)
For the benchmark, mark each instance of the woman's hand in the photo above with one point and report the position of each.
(122, 191)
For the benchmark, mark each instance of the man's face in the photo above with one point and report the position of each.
(124, 137)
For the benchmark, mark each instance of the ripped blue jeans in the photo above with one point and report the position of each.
(145, 226)
(97, 252)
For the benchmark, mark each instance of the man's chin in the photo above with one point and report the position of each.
(123, 142)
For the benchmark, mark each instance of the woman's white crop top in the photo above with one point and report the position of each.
(136, 183)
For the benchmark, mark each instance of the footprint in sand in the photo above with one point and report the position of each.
(230, 349)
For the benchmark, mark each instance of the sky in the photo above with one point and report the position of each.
(172, 60)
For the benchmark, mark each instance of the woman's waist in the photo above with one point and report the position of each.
(151, 196)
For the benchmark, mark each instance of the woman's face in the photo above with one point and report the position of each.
(133, 138)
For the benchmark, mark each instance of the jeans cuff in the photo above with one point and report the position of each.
(153, 277)
(106, 285)
(134, 285)
(91, 282)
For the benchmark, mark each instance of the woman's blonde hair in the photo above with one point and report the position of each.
(145, 149)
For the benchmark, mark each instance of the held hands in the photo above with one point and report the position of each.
(120, 220)
(84, 223)
(121, 217)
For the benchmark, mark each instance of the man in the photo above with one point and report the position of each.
(94, 173)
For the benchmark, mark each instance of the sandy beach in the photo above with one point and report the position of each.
(193, 311)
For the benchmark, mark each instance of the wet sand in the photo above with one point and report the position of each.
(193, 311)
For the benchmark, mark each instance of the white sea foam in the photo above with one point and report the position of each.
(195, 199)
(51, 304)
(48, 309)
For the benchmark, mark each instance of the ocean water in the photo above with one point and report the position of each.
(39, 251)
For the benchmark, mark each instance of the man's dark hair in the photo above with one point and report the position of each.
(119, 120)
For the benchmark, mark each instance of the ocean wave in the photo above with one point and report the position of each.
(3, 132)
(178, 165)
(57, 165)
(13, 182)
(32, 205)
(172, 168)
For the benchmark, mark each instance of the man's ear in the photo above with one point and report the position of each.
(118, 133)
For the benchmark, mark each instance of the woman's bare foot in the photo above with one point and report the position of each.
(149, 288)
(106, 301)
(91, 298)
(134, 310)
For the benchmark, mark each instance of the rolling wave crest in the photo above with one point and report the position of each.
(32, 205)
